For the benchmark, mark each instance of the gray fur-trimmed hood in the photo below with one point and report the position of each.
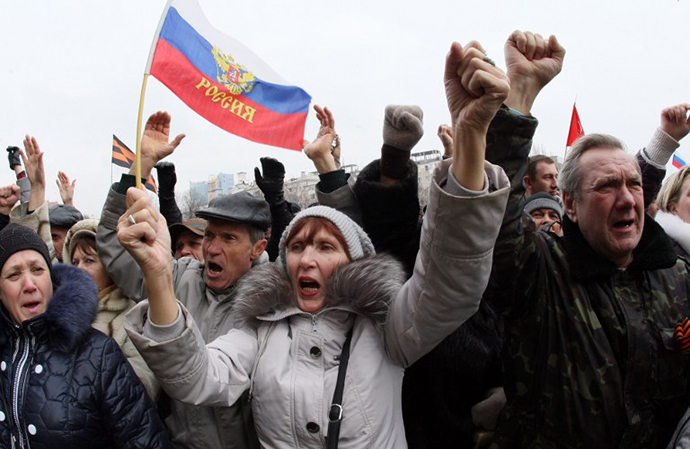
(366, 286)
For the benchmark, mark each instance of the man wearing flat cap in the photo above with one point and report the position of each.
(233, 240)
(187, 238)
(61, 217)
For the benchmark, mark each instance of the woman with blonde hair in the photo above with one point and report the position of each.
(674, 210)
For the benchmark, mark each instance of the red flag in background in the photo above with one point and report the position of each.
(124, 157)
(576, 130)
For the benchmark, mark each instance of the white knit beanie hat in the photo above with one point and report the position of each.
(358, 243)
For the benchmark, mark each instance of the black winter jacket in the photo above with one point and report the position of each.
(64, 384)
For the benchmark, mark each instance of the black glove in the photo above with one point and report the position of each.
(13, 157)
(271, 183)
(167, 178)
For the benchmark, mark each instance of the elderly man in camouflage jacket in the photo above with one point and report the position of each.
(590, 358)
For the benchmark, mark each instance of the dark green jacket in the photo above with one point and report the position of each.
(590, 360)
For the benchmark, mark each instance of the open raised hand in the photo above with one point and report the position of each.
(324, 151)
(155, 142)
(66, 188)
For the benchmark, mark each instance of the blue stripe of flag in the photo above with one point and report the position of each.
(678, 162)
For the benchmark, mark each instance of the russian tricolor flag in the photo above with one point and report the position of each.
(678, 162)
(224, 81)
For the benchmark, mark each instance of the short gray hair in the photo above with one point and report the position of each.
(255, 233)
(569, 179)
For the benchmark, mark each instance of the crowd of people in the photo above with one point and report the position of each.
(526, 306)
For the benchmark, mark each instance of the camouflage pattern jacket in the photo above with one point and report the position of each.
(589, 356)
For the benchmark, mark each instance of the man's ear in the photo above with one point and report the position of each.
(570, 206)
(258, 249)
(527, 182)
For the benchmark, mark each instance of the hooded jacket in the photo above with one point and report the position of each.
(64, 384)
(288, 359)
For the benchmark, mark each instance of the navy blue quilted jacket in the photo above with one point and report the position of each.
(64, 384)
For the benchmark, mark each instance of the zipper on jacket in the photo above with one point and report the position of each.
(20, 375)
(313, 322)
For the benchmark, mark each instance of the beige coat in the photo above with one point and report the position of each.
(110, 319)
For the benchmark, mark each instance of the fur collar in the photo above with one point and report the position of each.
(70, 311)
(653, 252)
(676, 228)
(365, 286)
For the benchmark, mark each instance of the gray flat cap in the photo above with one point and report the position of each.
(64, 216)
(239, 207)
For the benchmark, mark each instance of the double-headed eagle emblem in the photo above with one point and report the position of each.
(235, 77)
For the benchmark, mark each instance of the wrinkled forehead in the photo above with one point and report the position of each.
(216, 226)
(24, 257)
(607, 162)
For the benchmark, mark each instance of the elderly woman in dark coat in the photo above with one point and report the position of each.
(62, 383)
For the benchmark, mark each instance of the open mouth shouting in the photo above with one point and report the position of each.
(308, 287)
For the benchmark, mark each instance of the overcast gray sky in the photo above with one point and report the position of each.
(71, 74)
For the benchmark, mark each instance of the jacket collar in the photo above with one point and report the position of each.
(70, 311)
(365, 286)
(653, 252)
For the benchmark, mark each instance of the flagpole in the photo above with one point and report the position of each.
(137, 156)
(147, 71)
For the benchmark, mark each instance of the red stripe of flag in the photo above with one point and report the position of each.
(678, 162)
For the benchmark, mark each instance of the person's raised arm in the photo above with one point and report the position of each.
(155, 143)
(674, 126)
(531, 63)
(466, 202)
(66, 188)
(324, 151)
(9, 196)
(475, 90)
(33, 161)
(143, 232)
(167, 178)
(333, 189)
(271, 185)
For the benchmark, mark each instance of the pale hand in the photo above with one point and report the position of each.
(32, 157)
(66, 188)
(155, 142)
(675, 121)
(475, 89)
(321, 152)
(530, 57)
(9, 196)
(148, 239)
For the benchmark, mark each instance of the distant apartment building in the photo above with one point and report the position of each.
(426, 163)
(221, 184)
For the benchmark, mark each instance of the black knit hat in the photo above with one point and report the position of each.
(16, 237)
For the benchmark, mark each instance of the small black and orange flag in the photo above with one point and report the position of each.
(123, 157)
(682, 335)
